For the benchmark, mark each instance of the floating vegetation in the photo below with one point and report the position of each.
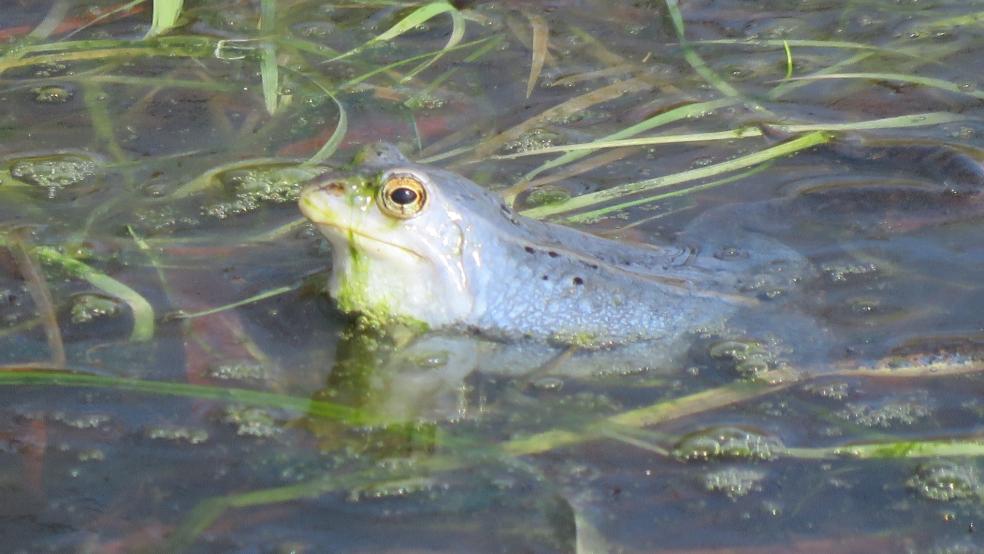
(727, 443)
(83, 421)
(251, 421)
(256, 185)
(152, 151)
(242, 371)
(542, 196)
(834, 391)
(945, 481)
(54, 172)
(52, 94)
(734, 482)
(886, 414)
(88, 307)
(177, 434)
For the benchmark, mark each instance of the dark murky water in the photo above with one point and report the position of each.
(144, 180)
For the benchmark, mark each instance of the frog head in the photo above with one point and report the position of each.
(404, 237)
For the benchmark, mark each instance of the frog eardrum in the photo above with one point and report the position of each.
(402, 196)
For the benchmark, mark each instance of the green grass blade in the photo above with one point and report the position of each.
(246, 301)
(102, 122)
(443, 77)
(645, 141)
(269, 68)
(937, 53)
(790, 85)
(967, 20)
(140, 309)
(593, 215)
(193, 49)
(341, 128)
(457, 33)
(56, 14)
(37, 288)
(376, 71)
(318, 408)
(805, 43)
(691, 55)
(898, 122)
(166, 13)
(614, 193)
(305, 46)
(901, 77)
(676, 114)
(335, 140)
(908, 449)
(540, 40)
(106, 15)
(417, 17)
(163, 46)
(789, 58)
(159, 82)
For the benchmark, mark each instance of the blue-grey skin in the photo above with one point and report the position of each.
(477, 265)
(467, 263)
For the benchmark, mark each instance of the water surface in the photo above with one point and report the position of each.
(146, 181)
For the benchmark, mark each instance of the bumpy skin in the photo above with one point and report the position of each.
(467, 261)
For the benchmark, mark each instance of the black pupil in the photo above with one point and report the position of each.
(403, 196)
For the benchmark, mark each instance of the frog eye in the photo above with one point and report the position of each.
(402, 196)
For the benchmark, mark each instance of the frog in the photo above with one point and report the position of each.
(419, 244)
(485, 288)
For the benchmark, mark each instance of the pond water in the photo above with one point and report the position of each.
(174, 378)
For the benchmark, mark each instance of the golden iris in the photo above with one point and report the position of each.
(402, 196)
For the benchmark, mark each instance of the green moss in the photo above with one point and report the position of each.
(897, 450)
(354, 295)
(580, 339)
(547, 195)
(946, 480)
(361, 188)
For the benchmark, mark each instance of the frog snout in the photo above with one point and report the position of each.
(333, 188)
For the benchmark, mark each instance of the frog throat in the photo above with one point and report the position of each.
(353, 294)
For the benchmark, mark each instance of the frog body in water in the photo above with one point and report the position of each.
(505, 295)
(416, 243)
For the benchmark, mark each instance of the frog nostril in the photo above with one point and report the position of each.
(333, 188)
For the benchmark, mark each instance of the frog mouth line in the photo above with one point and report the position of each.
(351, 232)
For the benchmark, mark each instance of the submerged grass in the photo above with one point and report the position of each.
(414, 19)
(615, 193)
(327, 150)
(288, 63)
(693, 58)
(58, 377)
(931, 82)
(956, 447)
(541, 33)
(246, 301)
(676, 114)
(897, 122)
(208, 511)
(732, 97)
(41, 294)
(140, 308)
